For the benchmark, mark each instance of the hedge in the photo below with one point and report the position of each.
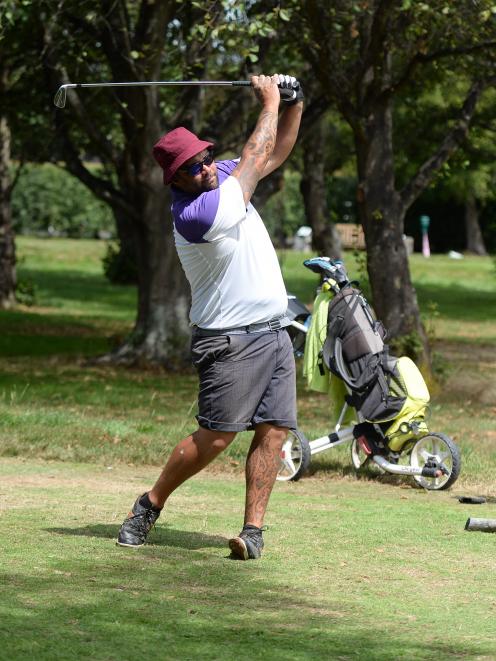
(48, 200)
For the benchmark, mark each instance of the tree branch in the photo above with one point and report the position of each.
(373, 51)
(370, 80)
(148, 37)
(101, 188)
(425, 58)
(116, 40)
(105, 147)
(57, 77)
(335, 83)
(451, 142)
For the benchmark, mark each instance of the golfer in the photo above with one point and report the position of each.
(240, 346)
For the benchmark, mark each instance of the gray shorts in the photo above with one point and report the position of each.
(245, 379)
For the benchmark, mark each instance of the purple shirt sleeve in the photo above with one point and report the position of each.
(194, 216)
(225, 168)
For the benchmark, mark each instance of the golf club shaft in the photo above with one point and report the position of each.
(243, 83)
(60, 96)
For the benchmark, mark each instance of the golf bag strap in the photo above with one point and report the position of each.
(381, 375)
(335, 359)
(328, 352)
(341, 367)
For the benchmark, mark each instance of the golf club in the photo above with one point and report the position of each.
(61, 95)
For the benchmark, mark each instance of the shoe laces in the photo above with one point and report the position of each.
(145, 520)
(253, 532)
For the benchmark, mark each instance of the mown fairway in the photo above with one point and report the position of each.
(353, 569)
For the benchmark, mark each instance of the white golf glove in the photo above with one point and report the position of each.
(290, 87)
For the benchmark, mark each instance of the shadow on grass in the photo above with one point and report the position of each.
(489, 500)
(37, 334)
(49, 345)
(172, 609)
(366, 473)
(161, 535)
(477, 305)
(85, 289)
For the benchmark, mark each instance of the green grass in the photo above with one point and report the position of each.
(368, 569)
(350, 571)
(54, 405)
(77, 312)
(463, 293)
(458, 297)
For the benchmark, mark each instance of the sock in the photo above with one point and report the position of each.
(145, 502)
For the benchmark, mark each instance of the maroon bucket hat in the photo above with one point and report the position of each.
(175, 148)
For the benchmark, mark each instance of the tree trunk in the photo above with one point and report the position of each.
(7, 243)
(139, 200)
(325, 237)
(382, 216)
(161, 331)
(475, 242)
(127, 262)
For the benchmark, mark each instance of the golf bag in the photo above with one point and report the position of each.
(381, 387)
(379, 402)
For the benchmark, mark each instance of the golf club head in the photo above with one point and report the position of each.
(60, 97)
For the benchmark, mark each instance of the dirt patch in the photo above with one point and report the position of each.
(51, 330)
(478, 389)
(117, 479)
(483, 355)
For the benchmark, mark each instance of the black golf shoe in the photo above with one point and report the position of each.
(249, 544)
(136, 527)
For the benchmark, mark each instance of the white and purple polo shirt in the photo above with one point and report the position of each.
(227, 256)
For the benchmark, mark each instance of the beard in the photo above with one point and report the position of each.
(210, 184)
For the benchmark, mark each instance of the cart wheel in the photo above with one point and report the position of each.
(443, 450)
(295, 456)
(359, 458)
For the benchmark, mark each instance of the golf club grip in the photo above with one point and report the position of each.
(285, 93)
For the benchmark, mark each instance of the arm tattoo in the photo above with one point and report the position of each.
(256, 153)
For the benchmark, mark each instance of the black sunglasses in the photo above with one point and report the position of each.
(195, 168)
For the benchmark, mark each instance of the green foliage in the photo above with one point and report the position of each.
(26, 292)
(362, 275)
(429, 317)
(118, 266)
(341, 198)
(236, 28)
(47, 199)
(284, 212)
(441, 368)
(407, 345)
(421, 117)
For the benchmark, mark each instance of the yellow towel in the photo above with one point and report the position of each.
(326, 382)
